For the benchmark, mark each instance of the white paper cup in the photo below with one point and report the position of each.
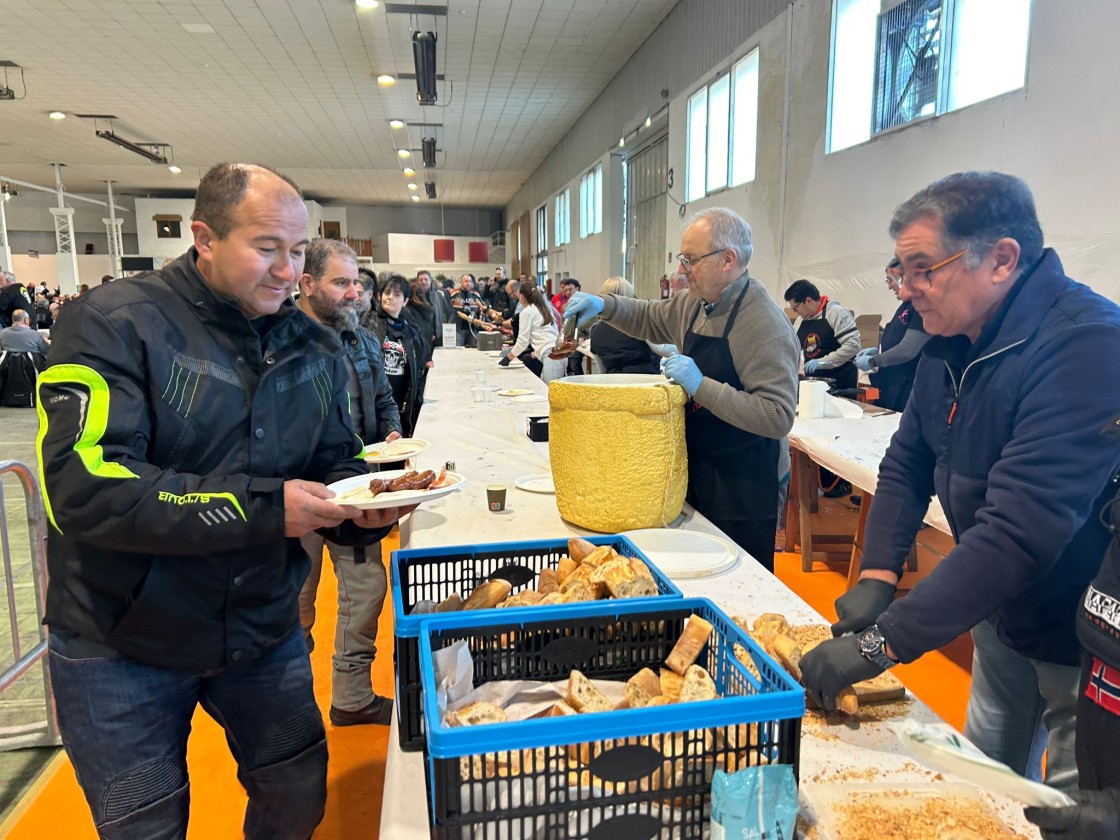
(480, 394)
(480, 375)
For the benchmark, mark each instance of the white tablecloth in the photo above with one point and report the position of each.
(488, 444)
(853, 448)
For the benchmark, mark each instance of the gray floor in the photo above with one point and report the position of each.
(23, 705)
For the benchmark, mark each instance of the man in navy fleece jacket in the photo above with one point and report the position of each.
(1004, 424)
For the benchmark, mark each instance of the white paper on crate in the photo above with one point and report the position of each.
(522, 699)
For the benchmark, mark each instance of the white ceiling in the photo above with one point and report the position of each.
(291, 83)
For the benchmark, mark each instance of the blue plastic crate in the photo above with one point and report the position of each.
(433, 574)
(651, 767)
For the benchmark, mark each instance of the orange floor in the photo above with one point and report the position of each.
(55, 807)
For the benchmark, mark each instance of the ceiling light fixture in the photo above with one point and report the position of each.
(152, 151)
(649, 121)
(57, 115)
(621, 142)
(366, 4)
(409, 171)
(413, 187)
(385, 80)
(174, 169)
(428, 151)
(416, 198)
(403, 153)
(396, 123)
(430, 188)
(424, 60)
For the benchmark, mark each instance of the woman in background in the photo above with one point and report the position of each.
(536, 332)
(405, 353)
(618, 352)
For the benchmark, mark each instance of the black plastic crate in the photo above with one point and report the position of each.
(432, 574)
(639, 773)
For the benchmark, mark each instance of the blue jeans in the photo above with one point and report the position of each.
(125, 724)
(1020, 707)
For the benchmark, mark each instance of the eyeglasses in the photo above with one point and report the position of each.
(922, 277)
(688, 262)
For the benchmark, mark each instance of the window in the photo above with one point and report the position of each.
(168, 227)
(893, 63)
(542, 240)
(723, 130)
(591, 202)
(562, 230)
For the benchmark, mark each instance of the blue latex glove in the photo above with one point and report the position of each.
(683, 371)
(863, 359)
(663, 350)
(812, 366)
(583, 306)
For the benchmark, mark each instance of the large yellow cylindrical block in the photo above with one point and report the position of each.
(618, 450)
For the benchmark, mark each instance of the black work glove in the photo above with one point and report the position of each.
(504, 361)
(1096, 816)
(862, 605)
(832, 666)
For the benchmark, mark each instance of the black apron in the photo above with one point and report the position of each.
(896, 381)
(732, 473)
(818, 340)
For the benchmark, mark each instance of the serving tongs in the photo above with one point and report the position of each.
(565, 341)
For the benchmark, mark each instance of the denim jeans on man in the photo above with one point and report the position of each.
(125, 724)
(1020, 707)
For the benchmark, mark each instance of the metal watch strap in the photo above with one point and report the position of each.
(873, 647)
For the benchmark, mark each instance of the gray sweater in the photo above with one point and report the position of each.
(763, 346)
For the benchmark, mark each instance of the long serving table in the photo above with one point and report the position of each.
(488, 444)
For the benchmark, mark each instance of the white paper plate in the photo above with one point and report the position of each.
(685, 554)
(494, 353)
(397, 450)
(401, 497)
(536, 483)
(515, 392)
(516, 363)
(529, 398)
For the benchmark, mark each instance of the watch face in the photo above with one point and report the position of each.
(870, 642)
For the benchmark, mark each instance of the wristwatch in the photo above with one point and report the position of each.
(873, 647)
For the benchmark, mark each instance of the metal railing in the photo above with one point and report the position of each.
(42, 733)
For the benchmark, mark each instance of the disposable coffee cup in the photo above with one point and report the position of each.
(496, 496)
(479, 394)
(480, 375)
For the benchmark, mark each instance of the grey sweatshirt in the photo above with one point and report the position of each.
(764, 350)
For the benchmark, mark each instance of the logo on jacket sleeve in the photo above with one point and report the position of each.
(1103, 610)
(216, 505)
(1104, 686)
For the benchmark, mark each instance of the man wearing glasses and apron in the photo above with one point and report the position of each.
(738, 363)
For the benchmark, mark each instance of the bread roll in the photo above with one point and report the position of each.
(475, 714)
(579, 548)
(642, 688)
(584, 697)
(602, 554)
(671, 685)
(564, 567)
(547, 582)
(524, 598)
(697, 685)
(452, 603)
(689, 645)
(489, 595)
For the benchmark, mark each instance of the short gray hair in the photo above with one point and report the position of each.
(617, 286)
(19, 316)
(319, 253)
(727, 230)
(976, 210)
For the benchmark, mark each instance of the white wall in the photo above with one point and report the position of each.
(409, 253)
(147, 243)
(44, 269)
(825, 217)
